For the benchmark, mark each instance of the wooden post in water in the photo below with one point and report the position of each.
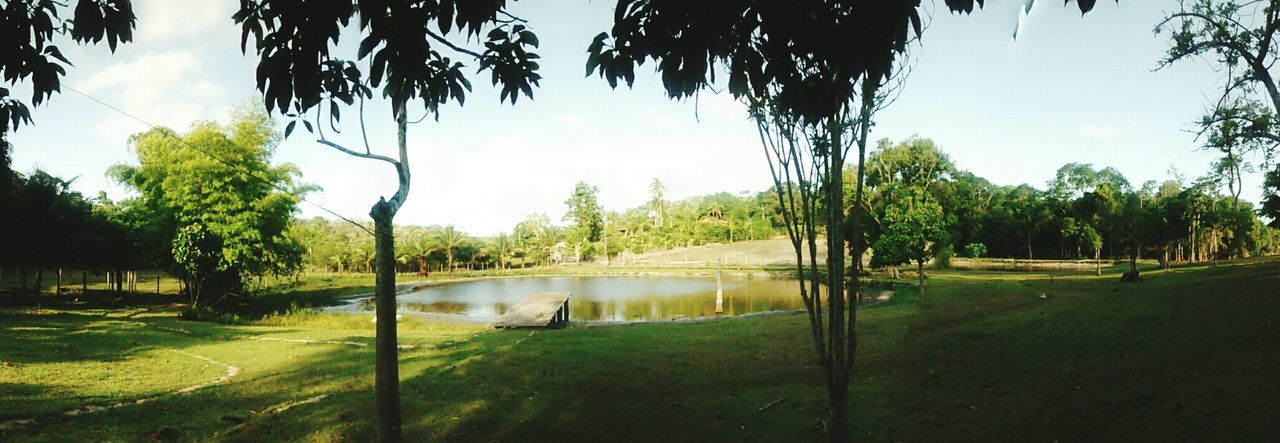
(58, 290)
(719, 289)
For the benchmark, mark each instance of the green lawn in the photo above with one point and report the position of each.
(1187, 354)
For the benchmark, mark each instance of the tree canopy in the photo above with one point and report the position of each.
(218, 210)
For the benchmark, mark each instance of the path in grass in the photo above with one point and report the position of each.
(231, 371)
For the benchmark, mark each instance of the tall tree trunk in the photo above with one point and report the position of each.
(1030, 256)
(39, 279)
(1097, 259)
(386, 366)
(869, 91)
(839, 373)
(920, 275)
(386, 378)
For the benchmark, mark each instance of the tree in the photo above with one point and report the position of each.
(1072, 181)
(1028, 215)
(449, 239)
(914, 163)
(1271, 197)
(402, 43)
(27, 42)
(536, 237)
(1241, 38)
(220, 212)
(657, 191)
(503, 248)
(1081, 235)
(811, 70)
(812, 103)
(913, 230)
(584, 213)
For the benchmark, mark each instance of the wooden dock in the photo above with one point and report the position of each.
(541, 310)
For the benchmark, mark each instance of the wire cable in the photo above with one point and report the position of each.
(229, 164)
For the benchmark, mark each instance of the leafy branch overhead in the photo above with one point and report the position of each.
(28, 29)
(814, 52)
(402, 49)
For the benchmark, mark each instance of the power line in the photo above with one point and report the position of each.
(229, 164)
(1090, 103)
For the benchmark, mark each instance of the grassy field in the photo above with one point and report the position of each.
(1186, 354)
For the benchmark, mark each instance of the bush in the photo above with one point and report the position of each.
(205, 313)
(943, 259)
(975, 250)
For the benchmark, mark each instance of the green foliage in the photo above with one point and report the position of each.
(778, 49)
(217, 211)
(914, 163)
(1271, 197)
(944, 256)
(43, 224)
(975, 250)
(1083, 214)
(27, 42)
(585, 218)
(912, 229)
(401, 48)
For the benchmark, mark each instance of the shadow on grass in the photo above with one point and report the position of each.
(1179, 355)
(1182, 354)
(683, 382)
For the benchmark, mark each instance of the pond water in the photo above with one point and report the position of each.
(608, 298)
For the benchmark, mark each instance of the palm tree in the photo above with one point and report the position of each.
(656, 204)
(450, 238)
(502, 247)
(715, 211)
(418, 245)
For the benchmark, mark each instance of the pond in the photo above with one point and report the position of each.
(608, 298)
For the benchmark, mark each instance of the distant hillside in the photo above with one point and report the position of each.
(776, 252)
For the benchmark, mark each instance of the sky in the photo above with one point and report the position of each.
(1068, 89)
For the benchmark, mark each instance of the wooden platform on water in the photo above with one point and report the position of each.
(541, 310)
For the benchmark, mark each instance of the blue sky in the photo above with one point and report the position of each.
(1070, 88)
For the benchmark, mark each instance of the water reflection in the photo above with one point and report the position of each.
(610, 298)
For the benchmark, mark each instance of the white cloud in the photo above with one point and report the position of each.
(721, 106)
(1097, 131)
(659, 120)
(570, 120)
(162, 21)
(163, 88)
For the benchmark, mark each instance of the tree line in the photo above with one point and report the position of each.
(585, 232)
(46, 226)
(210, 209)
(921, 206)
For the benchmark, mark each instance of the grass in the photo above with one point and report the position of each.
(1186, 354)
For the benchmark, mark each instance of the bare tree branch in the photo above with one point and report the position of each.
(452, 46)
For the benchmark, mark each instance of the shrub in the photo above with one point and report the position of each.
(943, 259)
(975, 250)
